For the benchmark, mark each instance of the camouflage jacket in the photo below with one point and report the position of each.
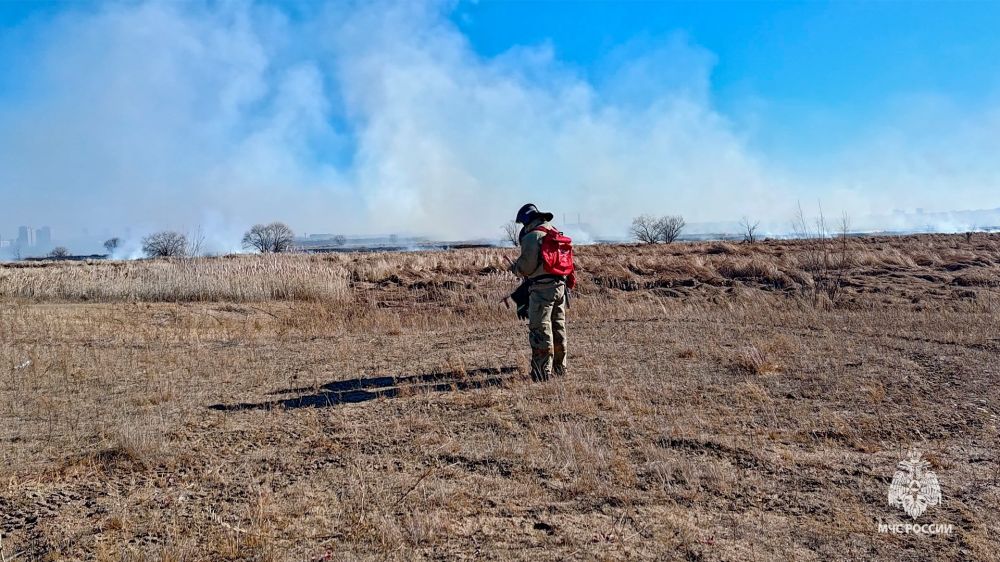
(529, 264)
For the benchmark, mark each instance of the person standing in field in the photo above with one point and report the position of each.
(546, 261)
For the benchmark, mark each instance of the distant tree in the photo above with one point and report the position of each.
(510, 233)
(339, 240)
(269, 238)
(644, 229)
(749, 230)
(195, 243)
(669, 228)
(845, 226)
(166, 244)
(112, 244)
(59, 252)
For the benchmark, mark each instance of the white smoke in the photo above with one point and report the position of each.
(382, 118)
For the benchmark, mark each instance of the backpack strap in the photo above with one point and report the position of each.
(547, 230)
(546, 277)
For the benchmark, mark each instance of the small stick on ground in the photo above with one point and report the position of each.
(414, 486)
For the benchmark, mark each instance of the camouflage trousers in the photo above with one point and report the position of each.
(547, 329)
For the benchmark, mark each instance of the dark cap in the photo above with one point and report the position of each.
(525, 213)
(529, 212)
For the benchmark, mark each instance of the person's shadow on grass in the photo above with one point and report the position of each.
(363, 389)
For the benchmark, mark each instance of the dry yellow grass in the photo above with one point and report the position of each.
(725, 402)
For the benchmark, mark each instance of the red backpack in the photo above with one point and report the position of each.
(557, 255)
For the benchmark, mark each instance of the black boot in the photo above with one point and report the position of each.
(539, 377)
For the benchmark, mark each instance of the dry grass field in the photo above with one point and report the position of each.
(724, 402)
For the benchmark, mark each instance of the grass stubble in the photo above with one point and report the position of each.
(725, 402)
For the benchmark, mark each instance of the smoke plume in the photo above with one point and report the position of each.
(379, 118)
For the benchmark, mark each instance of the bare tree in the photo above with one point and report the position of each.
(644, 229)
(749, 230)
(844, 232)
(799, 226)
(339, 240)
(822, 229)
(824, 258)
(195, 244)
(269, 238)
(831, 277)
(669, 228)
(112, 244)
(511, 233)
(59, 252)
(845, 226)
(166, 244)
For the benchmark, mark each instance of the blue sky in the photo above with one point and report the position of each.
(840, 53)
(835, 64)
(438, 117)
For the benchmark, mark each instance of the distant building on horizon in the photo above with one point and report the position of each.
(25, 237)
(43, 236)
